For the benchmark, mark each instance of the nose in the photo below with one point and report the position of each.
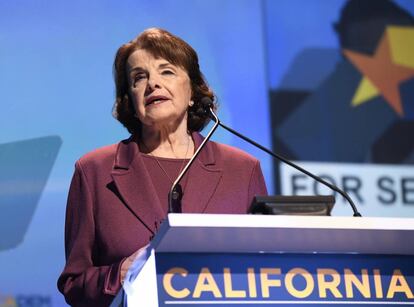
(153, 83)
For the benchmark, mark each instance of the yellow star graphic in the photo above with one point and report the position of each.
(383, 72)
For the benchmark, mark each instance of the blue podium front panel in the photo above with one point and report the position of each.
(284, 279)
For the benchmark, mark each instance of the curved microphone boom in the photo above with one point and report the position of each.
(176, 192)
(209, 106)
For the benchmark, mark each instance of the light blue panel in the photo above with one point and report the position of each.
(56, 79)
(292, 25)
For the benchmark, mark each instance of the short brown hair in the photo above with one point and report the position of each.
(161, 44)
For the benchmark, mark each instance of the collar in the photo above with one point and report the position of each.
(128, 150)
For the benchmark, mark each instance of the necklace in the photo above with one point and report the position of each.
(160, 165)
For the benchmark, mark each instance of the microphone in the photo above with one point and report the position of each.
(176, 192)
(208, 105)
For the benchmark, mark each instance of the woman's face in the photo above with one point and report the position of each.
(160, 91)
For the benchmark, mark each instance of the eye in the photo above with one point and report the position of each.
(138, 77)
(167, 72)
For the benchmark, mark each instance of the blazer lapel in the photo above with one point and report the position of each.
(203, 179)
(135, 186)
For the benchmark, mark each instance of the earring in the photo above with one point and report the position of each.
(191, 103)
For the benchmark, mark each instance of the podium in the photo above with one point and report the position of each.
(236, 260)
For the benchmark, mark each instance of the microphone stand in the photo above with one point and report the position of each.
(290, 163)
(176, 192)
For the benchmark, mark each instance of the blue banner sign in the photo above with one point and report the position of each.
(284, 279)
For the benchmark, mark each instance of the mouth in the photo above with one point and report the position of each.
(153, 100)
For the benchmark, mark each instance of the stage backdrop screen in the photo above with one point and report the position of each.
(307, 78)
(341, 88)
(57, 94)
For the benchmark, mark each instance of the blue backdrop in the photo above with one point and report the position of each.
(57, 93)
(56, 82)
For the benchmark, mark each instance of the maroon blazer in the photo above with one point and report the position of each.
(113, 210)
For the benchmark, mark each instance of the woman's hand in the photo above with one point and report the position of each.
(129, 261)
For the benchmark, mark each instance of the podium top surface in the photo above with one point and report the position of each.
(223, 233)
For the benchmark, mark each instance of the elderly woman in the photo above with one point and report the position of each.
(119, 193)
